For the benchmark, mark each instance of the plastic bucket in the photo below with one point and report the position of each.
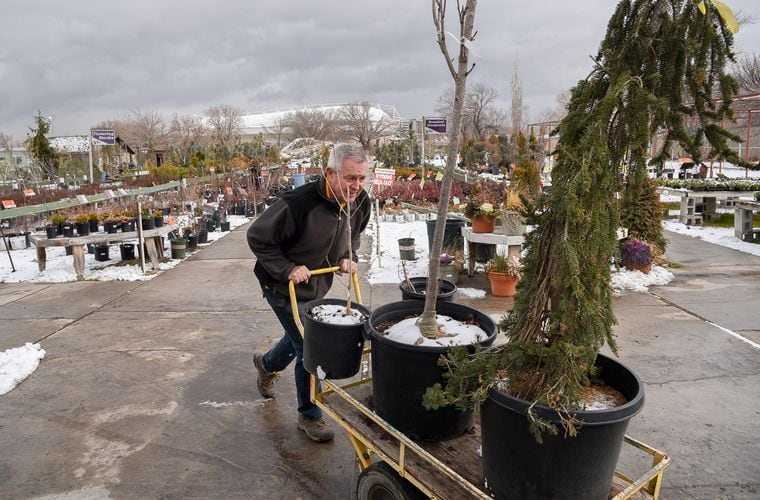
(179, 248)
(332, 351)
(406, 248)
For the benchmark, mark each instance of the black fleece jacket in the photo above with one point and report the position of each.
(305, 227)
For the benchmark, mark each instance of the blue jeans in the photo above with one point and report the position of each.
(290, 346)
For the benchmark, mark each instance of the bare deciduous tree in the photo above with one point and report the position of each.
(746, 70)
(481, 115)
(186, 131)
(517, 109)
(316, 123)
(357, 119)
(144, 130)
(459, 72)
(225, 122)
(278, 130)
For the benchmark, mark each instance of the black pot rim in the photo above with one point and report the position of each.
(318, 302)
(587, 417)
(452, 287)
(419, 305)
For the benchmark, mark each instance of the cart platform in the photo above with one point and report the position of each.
(446, 469)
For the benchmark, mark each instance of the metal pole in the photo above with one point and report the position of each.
(423, 147)
(749, 129)
(90, 142)
(140, 239)
(7, 242)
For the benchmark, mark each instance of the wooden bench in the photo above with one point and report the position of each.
(153, 243)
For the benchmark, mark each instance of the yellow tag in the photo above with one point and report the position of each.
(702, 8)
(728, 16)
(439, 176)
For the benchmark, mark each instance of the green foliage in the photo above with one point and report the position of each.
(657, 66)
(38, 146)
(642, 211)
(169, 171)
(710, 185)
(506, 265)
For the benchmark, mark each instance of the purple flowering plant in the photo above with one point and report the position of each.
(635, 252)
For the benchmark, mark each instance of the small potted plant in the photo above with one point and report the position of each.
(481, 212)
(511, 218)
(451, 262)
(504, 273)
(636, 255)
(158, 218)
(93, 219)
(148, 222)
(82, 222)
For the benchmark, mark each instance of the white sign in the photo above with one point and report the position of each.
(384, 176)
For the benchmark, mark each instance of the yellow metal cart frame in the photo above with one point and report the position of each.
(444, 470)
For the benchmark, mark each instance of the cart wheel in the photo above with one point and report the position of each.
(381, 482)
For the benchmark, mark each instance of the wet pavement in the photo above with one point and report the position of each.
(147, 389)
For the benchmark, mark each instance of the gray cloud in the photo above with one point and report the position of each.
(87, 61)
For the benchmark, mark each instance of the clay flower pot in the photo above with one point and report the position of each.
(502, 284)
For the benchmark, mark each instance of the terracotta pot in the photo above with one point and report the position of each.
(502, 284)
(483, 224)
(643, 268)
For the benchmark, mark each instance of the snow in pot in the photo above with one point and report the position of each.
(336, 315)
(453, 332)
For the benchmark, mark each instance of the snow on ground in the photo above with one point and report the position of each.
(59, 267)
(722, 236)
(18, 363)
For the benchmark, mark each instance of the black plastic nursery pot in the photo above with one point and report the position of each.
(67, 229)
(148, 223)
(83, 228)
(101, 252)
(452, 234)
(225, 226)
(127, 251)
(110, 227)
(158, 221)
(580, 467)
(332, 351)
(51, 232)
(202, 236)
(401, 373)
(94, 226)
(446, 293)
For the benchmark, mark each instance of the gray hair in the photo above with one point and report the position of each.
(345, 151)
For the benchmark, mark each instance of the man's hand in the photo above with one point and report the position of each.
(300, 274)
(348, 266)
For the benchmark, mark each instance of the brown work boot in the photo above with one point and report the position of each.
(265, 380)
(317, 430)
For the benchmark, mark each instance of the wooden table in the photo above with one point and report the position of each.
(153, 242)
(513, 244)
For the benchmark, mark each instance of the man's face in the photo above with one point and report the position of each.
(349, 182)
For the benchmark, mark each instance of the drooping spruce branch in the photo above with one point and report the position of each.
(657, 68)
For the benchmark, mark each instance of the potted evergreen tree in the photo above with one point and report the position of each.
(659, 62)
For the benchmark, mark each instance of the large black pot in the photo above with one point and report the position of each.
(94, 225)
(580, 467)
(83, 228)
(51, 231)
(67, 229)
(452, 234)
(148, 223)
(401, 373)
(332, 351)
(446, 293)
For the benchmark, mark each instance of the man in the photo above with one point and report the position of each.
(306, 229)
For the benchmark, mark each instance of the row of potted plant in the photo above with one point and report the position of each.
(63, 224)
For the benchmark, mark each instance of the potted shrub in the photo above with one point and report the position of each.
(148, 222)
(504, 273)
(511, 219)
(481, 212)
(636, 255)
(413, 367)
(82, 222)
(534, 420)
(93, 219)
(158, 218)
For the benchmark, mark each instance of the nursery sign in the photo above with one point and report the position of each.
(384, 176)
(103, 137)
(437, 125)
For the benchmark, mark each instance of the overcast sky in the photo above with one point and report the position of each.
(82, 62)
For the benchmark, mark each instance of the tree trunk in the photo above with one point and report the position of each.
(427, 322)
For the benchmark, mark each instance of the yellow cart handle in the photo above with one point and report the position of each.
(324, 270)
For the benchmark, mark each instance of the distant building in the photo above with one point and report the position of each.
(17, 156)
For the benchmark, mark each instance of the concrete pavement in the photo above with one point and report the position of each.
(147, 389)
